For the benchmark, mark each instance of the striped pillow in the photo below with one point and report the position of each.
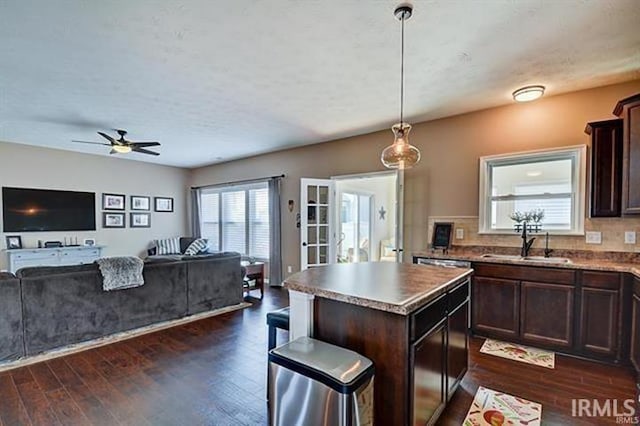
(196, 247)
(168, 246)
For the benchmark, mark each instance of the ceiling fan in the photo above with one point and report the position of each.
(123, 146)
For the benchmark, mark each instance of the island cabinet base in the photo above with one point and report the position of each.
(419, 358)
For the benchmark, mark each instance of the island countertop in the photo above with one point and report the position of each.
(399, 288)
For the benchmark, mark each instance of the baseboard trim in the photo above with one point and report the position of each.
(118, 337)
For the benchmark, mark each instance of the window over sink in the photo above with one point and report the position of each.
(552, 180)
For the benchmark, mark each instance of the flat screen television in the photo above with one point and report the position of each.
(37, 210)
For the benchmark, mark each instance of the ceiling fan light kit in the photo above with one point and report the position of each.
(401, 154)
(124, 146)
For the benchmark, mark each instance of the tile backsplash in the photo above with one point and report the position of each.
(612, 230)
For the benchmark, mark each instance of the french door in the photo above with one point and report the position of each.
(316, 222)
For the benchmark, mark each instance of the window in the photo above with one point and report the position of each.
(236, 218)
(552, 180)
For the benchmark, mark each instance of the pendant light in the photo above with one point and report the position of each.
(401, 154)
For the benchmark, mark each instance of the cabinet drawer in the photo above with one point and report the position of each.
(34, 255)
(458, 296)
(597, 279)
(427, 317)
(525, 273)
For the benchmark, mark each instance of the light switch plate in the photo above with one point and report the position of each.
(593, 237)
(459, 233)
(629, 237)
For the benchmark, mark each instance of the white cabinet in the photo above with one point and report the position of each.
(62, 256)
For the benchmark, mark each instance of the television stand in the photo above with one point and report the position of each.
(55, 256)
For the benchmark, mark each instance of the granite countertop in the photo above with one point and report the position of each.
(580, 259)
(400, 288)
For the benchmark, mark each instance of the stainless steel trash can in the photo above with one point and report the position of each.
(315, 383)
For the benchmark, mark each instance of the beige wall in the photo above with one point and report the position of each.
(445, 182)
(34, 167)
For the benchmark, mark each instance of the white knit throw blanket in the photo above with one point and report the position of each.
(119, 273)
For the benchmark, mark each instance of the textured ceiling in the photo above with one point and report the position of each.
(217, 80)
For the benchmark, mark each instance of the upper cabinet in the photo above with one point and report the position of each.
(629, 110)
(606, 167)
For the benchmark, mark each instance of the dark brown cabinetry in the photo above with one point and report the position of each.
(428, 355)
(546, 314)
(496, 307)
(606, 167)
(578, 312)
(629, 110)
(600, 313)
(635, 325)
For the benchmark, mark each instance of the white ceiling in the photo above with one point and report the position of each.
(217, 80)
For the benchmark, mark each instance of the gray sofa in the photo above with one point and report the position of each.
(11, 343)
(66, 305)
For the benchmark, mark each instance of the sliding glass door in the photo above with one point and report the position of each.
(355, 227)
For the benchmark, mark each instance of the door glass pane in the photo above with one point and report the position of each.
(324, 195)
(312, 255)
(311, 214)
(324, 216)
(323, 254)
(312, 235)
(348, 211)
(323, 232)
(364, 227)
(312, 194)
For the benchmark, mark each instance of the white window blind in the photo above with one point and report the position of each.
(236, 218)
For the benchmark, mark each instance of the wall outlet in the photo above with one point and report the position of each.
(289, 269)
(629, 237)
(459, 233)
(593, 237)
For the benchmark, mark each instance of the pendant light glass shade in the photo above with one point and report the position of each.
(401, 154)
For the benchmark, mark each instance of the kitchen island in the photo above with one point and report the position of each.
(410, 320)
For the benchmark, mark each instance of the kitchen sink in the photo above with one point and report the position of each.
(538, 259)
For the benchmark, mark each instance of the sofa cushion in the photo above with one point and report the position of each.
(7, 276)
(39, 271)
(168, 246)
(197, 246)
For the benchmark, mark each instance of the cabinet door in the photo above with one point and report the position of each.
(631, 166)
(428, 360)
(606, 168)
(495, 307)
(599, 321)
(546, 314)
(635, 333)
(457, 347)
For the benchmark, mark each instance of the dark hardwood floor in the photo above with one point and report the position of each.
(213, 372)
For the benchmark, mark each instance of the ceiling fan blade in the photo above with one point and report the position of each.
(143, 151)
(113, 151)
(92, 143)
(143, 144)
(107, 137)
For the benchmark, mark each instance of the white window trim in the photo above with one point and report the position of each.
(579, 175)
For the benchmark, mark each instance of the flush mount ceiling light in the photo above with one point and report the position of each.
(528, 93)
(401, 154)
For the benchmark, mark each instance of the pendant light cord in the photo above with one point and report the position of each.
(402, 74)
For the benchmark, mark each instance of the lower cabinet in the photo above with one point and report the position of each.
(598, 323)
(428, 356)
(635, 329)
(546, 314)
(457, 347)
(496, 306)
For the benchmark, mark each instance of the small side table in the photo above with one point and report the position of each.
(255, 273)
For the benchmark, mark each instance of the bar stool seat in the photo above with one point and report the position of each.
(277, 319)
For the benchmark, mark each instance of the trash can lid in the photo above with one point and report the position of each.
(342, 365)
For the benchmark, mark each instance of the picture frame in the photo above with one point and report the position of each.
(89, 242)
(140, 220)
(113, 220)
(114, 201)
(441, 238)
(140, 203)
(14, 242)
(163, 204)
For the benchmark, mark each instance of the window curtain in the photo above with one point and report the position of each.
(275, 246)
(196, 230)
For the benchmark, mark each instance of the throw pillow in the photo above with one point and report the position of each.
(168, 246)
(196, 247)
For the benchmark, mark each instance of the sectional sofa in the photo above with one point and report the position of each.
(46, 308)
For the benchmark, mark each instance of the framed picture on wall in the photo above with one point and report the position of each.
(113, 220)
(163, 204)
(442, 235)
(139, 202)
(140, 220)
(113, 202)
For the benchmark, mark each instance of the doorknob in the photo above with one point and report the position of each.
(304, 244)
